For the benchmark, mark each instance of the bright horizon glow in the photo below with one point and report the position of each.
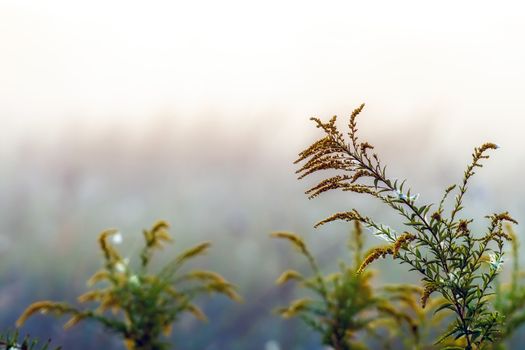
(128, 61)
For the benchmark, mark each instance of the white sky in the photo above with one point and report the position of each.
(126, 61)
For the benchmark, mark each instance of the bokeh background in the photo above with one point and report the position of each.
(118, 113)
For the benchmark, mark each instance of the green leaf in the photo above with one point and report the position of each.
(449, 306)
(448, 334)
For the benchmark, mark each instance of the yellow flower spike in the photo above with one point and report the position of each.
(157, 235)
(374, 254)
(73, 321)
(43, 307)
(402, 241)
(296, 306)
(345, 216)
(429, 289)
(226, 289)
(160, 225)
(163, 235)
(204, 275)
(233, 295)
(194, 251)
(197, 312)
(109, 301)
(288, 275)
(40, 306)
(109, 252)
(92, 295)
(296, 240)
(99, 276)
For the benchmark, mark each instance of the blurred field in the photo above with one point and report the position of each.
(226, 188)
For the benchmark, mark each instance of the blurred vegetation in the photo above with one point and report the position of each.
(350, 313)
(510, 297)
(12, 341)
(143, 304)
(344, 305)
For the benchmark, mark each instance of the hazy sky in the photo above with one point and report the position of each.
(127, 61)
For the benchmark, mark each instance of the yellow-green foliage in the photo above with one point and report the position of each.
(143, 305)
(344, 307)
(412, 305)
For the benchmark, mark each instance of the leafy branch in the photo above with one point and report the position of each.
(451, 260)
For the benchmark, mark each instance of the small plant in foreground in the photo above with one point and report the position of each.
(12, 342)
(345, 307)
(144, 305)
(459, 264)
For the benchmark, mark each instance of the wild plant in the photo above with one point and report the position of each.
(344, 307)
(420, 323)
(143, 305)
(510, 297)
(12, 341)
(452, 260)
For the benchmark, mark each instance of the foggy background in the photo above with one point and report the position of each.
(116, 114)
